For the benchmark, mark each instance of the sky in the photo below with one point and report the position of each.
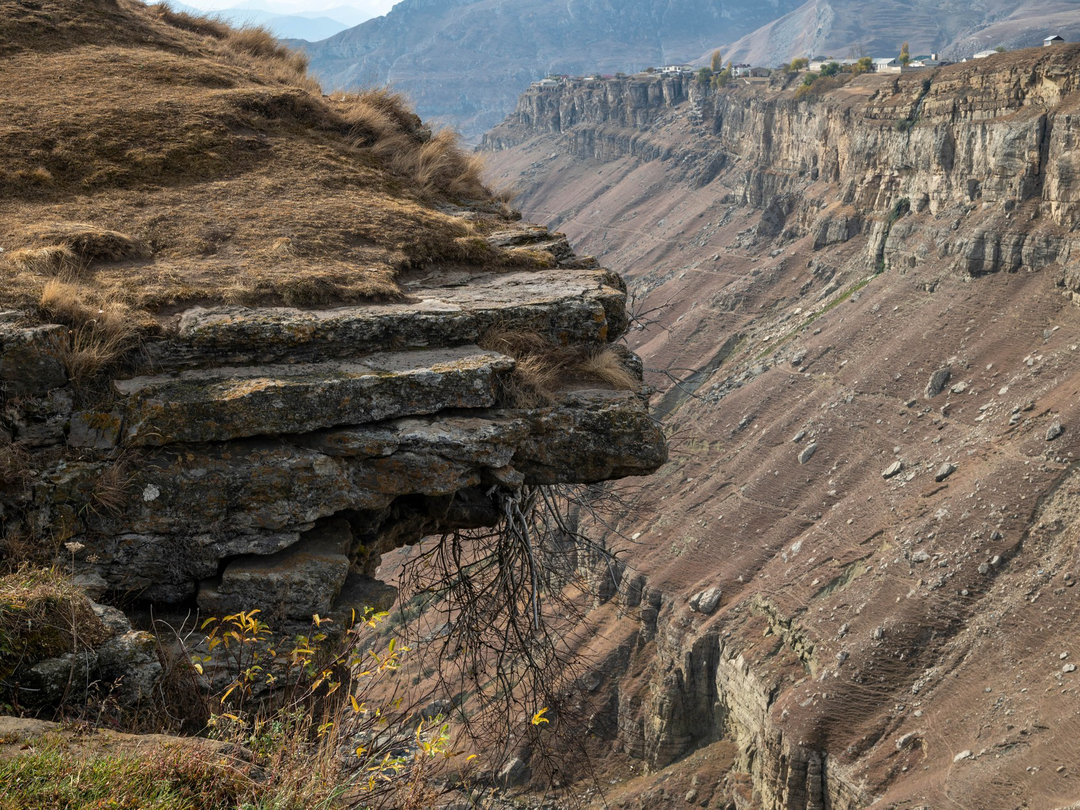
(374, 7)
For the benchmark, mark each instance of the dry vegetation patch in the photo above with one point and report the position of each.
(43, 615)
(103, 328)
(542, 368)
(163, 159)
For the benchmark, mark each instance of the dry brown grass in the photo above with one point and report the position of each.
(89, 243)
(382, 122)
(203, 25)
(607, 366)
(42, 615)
(184, 162)
(282, 248)
(542, 369)
(539, 366)
(50, 260)
(103, 328)
(112, 488)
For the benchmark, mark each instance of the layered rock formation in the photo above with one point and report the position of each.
(274, 454)
(883, 272)
(240, 339)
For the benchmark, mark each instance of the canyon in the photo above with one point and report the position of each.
(216, 405)
(262, 347)
(852, 584)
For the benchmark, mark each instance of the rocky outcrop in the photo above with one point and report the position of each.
(268, 457)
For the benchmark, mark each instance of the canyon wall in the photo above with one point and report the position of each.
(464, 63)
(857, 308)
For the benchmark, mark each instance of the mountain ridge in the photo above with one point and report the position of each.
(954, 29)
(464, 62)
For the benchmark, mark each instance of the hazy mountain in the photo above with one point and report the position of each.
(286, 26)
(466, 61)
(350, 15)
(307, 25)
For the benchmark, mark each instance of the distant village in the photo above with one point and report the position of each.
(813, 65)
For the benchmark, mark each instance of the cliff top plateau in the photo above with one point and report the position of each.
(212, 168)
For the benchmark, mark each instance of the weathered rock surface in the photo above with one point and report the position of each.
(937, 382)
(30, 359)
(306, 578)
(275, 454)
(125, 665)
(946, 469)
(575, 306)
(230, 403)
(706, 601)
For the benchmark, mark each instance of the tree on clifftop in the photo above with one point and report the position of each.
(864, 65)
(716, 63)
(905, 54)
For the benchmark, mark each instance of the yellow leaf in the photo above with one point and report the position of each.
(355, 705)
(539, 718)
(471, 757)
(198, 668)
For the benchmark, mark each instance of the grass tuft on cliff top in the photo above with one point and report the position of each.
(42, 615)
(51, 778)
(161, 159)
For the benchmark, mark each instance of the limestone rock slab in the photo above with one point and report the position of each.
(234, 402)
(297, 582)
(570, 306)
(591, 436)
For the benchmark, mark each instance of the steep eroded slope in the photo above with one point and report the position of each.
(857, 310)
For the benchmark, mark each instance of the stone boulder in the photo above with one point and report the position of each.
(31, 359)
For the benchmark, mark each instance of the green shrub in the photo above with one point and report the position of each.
(52, 778)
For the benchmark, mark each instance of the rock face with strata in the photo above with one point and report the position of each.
(268, 457)
(813, 262)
